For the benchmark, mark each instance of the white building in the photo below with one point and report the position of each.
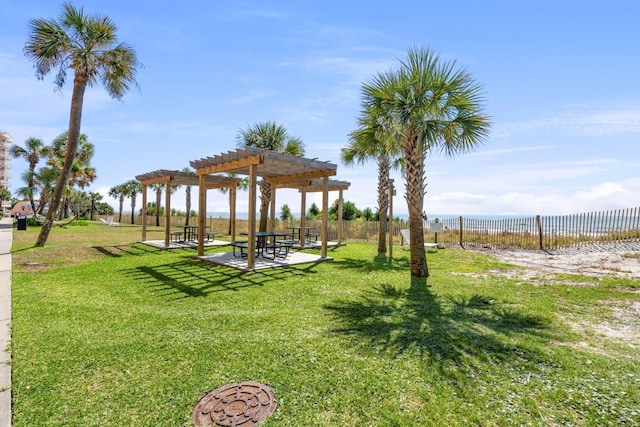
(5, 165)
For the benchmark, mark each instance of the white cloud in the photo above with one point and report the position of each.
(617, 120)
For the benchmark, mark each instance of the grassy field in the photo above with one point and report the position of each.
(109, 332)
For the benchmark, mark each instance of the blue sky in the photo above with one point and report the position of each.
(560, 80)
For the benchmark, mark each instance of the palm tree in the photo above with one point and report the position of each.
(94, 197)
(243, 184)
(271, 136)
(87, 45)
(82, 174)
(132, 188)
(285, 213)
(5, 194)
(158, 189)
(118, 192)
(46, 179)
(33, 152)
(365, 144)
(425, 105)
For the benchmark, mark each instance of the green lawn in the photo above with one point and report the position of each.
(109, 332)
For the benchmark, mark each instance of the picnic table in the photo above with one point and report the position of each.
(189, 232)
(267, 245)
(297, 231)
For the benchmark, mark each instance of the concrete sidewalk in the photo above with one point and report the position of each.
(6, 240)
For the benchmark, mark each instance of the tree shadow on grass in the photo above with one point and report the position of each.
(126, 250)
(378, 263)
(194, 278)
(448, 331)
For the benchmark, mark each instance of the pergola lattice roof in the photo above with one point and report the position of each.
(315, 185)
(273, 167)
(186, 178)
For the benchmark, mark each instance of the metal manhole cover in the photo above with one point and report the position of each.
(238, 404)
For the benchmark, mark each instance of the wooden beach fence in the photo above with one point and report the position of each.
(539, 232)
(542, 232)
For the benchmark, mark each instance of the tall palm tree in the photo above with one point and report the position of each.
(33, 152)
(242, 185)
(426, 105)
(274, 137)
(366, 143)
(132, 188)
(94, 197)
(46, 179)
(87, 45)
(119, 192)
(82, 173)
(158, 189)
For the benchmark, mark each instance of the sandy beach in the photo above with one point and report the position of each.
(622, 260)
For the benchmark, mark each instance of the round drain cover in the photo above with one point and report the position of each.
(239, 404)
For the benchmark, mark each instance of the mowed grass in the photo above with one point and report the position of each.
(109, 332)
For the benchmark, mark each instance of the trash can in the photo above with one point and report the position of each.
(22, 223)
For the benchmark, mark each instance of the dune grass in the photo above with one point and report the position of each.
(109, 332)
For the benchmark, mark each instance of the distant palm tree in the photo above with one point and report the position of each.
(367, 143)
(425, 105)
(33, 152)
(285, 213)
(82, 173)
(132, 188)
(46, 179)
(158, 189)
(87, 45)
(119, 192)
(243, 184)
(94, 197)
(274, 137)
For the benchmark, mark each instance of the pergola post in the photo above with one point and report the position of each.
(144, 212)
(232, 213)
(167, 213)
(325, 215)
(202, 211)
(303, 219)
(340, 216)
(251, 242)
(272, 219)
(390, 218)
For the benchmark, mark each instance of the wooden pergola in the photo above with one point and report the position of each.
(172, 177)
(312, 186)
(277, 169)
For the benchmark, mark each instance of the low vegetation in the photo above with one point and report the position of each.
(110, 332)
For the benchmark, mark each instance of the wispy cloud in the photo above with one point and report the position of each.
(251, 96)
(616, 121)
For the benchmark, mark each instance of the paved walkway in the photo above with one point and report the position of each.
(6, 239)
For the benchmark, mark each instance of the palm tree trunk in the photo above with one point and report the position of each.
(158, 200)
(265, 198)
(133, 207)
(383, 203)
(414, 170)
(75, 117)
(121, 205)
(188, 202)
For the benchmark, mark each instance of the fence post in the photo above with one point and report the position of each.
(539, 224)
(461, 233)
